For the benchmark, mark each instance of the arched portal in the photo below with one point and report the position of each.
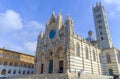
(3, 72)
(60, 59)
(50, 61)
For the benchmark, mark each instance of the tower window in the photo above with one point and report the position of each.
(98, 16)
(101, 33)
(100, 27)
(101, 38)
(99, 21)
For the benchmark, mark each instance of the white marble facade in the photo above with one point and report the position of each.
(60, 50)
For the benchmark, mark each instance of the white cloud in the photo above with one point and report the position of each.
(30, 46)
(113, 1)
(23, 39)
(112, 14)
(113, 8)
(9, 21)
(34, 25)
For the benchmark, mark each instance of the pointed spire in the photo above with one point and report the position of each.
(59, 14)
(53, 15)
(100, 4)
(68, 17)
(41, 34)
(59, 20)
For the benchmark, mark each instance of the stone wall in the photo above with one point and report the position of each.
(63, 76)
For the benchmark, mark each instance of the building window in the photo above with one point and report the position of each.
(19, 71)
(87, 54)
(12, 56)
(11, 64)
(78, 50)
(32, 66)
(16, 64)
(32, 72)
(23, 72)
(24, 65)
(94, 57)
(20, 65)
(5, 63)
(9, 72)
(108, 58)
(14, 72)
(101, 38)
(7, 56)
(29, 66)
(17, 57)
(1, 55)
(28, 72)
(0, 62)
(101, 33)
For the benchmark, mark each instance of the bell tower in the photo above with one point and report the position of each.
(101, 25)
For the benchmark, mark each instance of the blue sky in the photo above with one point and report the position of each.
(22, 20)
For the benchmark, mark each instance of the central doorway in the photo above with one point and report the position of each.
(111, 72)
(50, 66)
(61, 67)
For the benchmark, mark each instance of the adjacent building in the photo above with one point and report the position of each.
(15, 63)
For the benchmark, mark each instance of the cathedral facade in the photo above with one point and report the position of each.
(60, 50)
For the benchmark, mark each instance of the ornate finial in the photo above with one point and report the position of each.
(53, 17)
(41, 34)
(90, 33)
(59, 10)
(59, 13)
(68, 16)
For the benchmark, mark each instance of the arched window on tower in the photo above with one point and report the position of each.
(108, 58)
(87, 54)
(94, 56)
(78, 50)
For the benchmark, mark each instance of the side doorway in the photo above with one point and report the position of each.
(61, 66)
(111, 72)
